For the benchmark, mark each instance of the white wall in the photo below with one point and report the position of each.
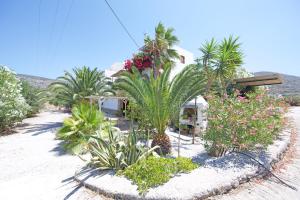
(189, 59)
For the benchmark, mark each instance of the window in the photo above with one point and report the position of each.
(182, 59)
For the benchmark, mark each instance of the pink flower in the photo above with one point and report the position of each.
(241, 98)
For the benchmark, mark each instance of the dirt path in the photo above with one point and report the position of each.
(34, 167)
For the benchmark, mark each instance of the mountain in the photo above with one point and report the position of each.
(36, 81)
(290, 85)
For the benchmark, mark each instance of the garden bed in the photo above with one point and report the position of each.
(215, 176)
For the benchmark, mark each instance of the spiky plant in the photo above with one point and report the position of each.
(209, 52)
(86, 120)
(220, 62)
(160, 97)
(83, 82)
(115, 152)
(229, 58)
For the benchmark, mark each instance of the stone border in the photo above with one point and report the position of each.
(123, 189)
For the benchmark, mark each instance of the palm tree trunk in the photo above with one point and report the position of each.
(163, 141)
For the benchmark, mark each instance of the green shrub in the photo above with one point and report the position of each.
(242, 123)
(86, 121)
(13, 107)
(116, 152)
(156, 171)
(293, 100)
(32, 98)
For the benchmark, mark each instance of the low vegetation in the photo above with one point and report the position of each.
(243, 122)
(156, 171)
(76, 131)
(293, 100)
(116, 152)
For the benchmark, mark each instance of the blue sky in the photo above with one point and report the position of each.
(90, 35)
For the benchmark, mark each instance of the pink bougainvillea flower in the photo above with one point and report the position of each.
(128, 65)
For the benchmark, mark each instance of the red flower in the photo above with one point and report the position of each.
(138, 62)
(128, 65)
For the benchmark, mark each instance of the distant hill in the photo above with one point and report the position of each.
(290, 86)
(36, 81)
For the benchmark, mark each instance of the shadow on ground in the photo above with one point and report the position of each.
(42, 128)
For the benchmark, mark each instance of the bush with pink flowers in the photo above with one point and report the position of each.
(243, 123)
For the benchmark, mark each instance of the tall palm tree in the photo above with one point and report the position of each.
(160, 48)
(161, 97)
(81, 83)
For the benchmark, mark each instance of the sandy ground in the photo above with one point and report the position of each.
(34, 167)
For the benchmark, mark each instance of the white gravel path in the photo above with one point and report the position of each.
(33, 165)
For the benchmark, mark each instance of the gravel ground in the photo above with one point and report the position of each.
(33, 165)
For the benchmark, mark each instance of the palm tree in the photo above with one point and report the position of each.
(209, 52)
(83, 82)
(161, 98)
(160, 48)
(220, 62)
(229, 58)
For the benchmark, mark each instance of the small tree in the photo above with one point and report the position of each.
(13, 106)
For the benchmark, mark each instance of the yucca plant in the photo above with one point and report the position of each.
(86, 121)
(220, 62)
(117, 153)
(160, 97)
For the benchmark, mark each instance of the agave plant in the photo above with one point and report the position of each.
(84, 81)
(86, 121)
(160, 97)
(115, 152)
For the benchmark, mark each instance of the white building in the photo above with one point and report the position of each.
(117, 105)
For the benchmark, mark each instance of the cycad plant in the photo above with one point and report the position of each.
(160, 97)
(86, 121)
(83, 82)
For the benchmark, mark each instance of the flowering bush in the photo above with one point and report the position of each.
(243, 123)
(13, 106)
(141, 61)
